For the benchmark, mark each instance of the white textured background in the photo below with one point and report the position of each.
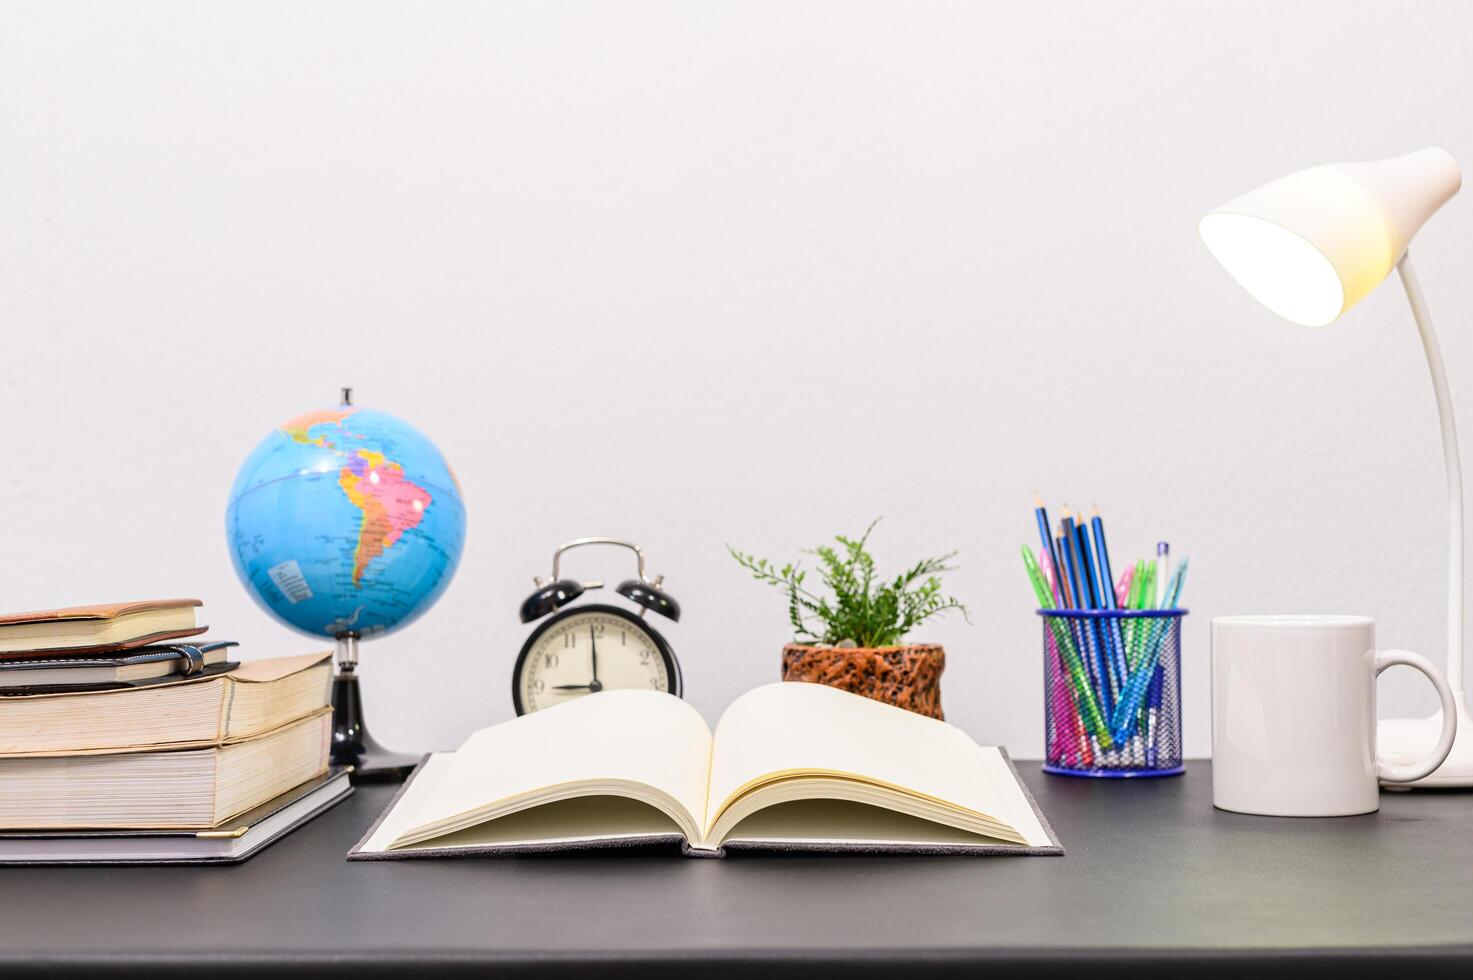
(747, 272)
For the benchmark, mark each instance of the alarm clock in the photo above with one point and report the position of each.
(593, 647)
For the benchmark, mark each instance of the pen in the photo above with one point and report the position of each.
(1122, 588)
(1163, 552)
(1141, 675)
(1153, 708)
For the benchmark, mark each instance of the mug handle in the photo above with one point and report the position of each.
(1389, 773)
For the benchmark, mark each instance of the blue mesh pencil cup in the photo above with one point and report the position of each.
(1112, 692)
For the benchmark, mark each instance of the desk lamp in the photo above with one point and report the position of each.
(1310, 246)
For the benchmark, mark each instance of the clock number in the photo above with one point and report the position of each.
(623, 635)
(570, 640)
(654, 683)
(598, 629)
(644, 657)
(549, 660)
(538, 685)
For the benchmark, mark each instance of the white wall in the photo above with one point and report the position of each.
(694, 274)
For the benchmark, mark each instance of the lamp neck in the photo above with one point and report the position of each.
(1454, 471)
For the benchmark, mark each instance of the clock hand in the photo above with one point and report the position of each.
(593, 653)
(573, 687)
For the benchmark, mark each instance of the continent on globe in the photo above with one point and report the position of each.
(390, 504)
(300, 428)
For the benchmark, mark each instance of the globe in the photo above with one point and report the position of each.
(345, 521)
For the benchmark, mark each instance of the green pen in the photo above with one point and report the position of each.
(1139, 587)
(1073, 665)
(1131, 598)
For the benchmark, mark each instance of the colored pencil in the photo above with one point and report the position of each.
(1047, 556)
(1089, 707)
(1107, 592)
(1079, 580)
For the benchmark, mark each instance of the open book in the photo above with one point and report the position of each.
(791, 767)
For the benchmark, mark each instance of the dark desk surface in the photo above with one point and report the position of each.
(1155, 881)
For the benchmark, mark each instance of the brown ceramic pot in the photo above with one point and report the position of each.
(908, 677)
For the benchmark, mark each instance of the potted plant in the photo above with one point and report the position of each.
(854, 640)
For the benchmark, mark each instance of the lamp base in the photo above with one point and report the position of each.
(1407, 740)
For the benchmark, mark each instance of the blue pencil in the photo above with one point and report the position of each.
(1079, 582)
(1048, 548)
(1069, 589)
(1107, 591)
(1103, 635)
(1069, 582)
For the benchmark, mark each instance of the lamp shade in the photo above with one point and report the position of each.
(1311, 245)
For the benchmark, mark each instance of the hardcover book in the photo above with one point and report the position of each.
(231, 842)
(130, 668)
(97, 629)
(162, 790)
(178, 712)
(789, 767)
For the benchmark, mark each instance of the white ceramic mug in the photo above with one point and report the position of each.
(1294, 715)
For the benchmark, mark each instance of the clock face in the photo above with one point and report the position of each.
(593, 648)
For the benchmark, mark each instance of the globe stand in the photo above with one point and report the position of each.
(351, 743)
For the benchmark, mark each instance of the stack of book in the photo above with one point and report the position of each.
(121, 743)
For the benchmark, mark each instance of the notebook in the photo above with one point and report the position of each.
(160, 790)
(97, 629)
(230, 843)
(143, 665)
(789, 767)
(256, 697)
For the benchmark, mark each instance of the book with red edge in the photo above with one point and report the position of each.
(96, 629)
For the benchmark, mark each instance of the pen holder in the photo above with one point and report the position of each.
(1112, 692)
